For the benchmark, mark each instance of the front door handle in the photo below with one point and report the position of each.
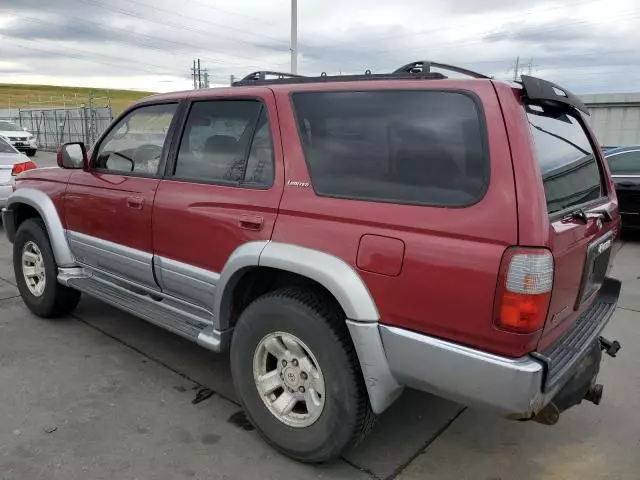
(135, 202)
(251, 222)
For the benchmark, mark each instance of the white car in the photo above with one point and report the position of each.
(18, 137)
(12, 163)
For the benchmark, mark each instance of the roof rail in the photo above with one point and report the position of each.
(415, 70)
(424, 66)
(261, 76)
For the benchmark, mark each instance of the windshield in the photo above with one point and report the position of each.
(9, 127)
(567, 162)
(5, 147)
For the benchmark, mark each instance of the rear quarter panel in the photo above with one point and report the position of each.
(447, 281)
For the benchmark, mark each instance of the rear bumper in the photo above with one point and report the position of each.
(516, 388)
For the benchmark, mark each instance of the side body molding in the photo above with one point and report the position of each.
(47, 210)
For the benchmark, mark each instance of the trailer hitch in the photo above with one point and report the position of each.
(610, 347)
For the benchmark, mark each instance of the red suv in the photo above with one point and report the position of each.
(345, 237)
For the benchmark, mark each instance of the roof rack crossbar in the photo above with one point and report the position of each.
(424, 66)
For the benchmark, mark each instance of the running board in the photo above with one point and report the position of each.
(161, 312)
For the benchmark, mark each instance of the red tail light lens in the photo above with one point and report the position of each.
(18, 168)
(524, 290)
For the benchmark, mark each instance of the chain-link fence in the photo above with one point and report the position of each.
(55, 126)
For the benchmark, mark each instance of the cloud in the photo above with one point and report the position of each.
(151, 43)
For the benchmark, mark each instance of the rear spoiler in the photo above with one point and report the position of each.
(545, 93)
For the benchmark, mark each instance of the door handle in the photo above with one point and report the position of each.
(251, 222)
(135, 202)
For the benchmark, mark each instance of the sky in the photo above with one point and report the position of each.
(588, 46)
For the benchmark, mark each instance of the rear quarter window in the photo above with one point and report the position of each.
(568, 164)
(414, 147)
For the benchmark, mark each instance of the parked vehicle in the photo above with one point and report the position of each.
(12, 163)
(17, 136)
(345, 237)
(624, 164)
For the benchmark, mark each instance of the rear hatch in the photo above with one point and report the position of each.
(580, 212)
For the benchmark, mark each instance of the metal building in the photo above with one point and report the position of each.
(615, 117)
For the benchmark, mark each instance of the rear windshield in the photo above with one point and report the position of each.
(568, 164)
(417, 147)
(5, 147)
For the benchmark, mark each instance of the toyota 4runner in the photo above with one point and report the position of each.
(344, 237)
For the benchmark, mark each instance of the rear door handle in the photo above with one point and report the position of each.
(251, 222)
(135, 202)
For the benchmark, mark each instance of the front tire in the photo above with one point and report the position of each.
(298, 377)
(36, 272)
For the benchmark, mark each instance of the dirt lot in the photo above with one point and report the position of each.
(102, 394)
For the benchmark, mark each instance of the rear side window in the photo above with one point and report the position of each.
(227, 141)
(625, 163)
(568, 164)
(416, 147)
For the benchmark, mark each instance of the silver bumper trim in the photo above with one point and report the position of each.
(512, 387)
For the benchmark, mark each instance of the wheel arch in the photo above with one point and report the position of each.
(23, 203)
(328, 272)
(259, 267)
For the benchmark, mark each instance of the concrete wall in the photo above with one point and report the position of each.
(615, 117)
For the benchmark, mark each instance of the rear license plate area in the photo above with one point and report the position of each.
(596, 265)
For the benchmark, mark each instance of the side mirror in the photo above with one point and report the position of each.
(73, 155)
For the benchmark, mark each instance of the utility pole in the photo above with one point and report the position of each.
(193, 74)
(232, 79)
(199, 75)
(294, 36)
(516, 69)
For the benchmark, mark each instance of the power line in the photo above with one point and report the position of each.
(165, 23)
(248, 17)
(394, 52)
(90, 58)
(129, 33)
(244, 32)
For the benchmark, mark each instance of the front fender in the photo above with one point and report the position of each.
(43, 204)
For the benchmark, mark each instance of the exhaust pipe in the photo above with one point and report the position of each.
(550, 414)
(594, 394)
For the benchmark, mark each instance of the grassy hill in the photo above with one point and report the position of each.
(45, 96)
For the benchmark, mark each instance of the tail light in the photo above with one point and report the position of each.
(524, 290)
(18, 168)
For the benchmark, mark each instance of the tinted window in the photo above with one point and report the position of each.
(568, 164)
(5, 147)
(10, 127)
(219, 144)
(135, 144)
(625, 163)
(419, 147)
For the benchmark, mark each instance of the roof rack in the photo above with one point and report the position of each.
(415, 70)
(424, 66)
(261, 76)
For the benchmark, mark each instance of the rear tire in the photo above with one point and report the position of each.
(315, 363)
(36, 272)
